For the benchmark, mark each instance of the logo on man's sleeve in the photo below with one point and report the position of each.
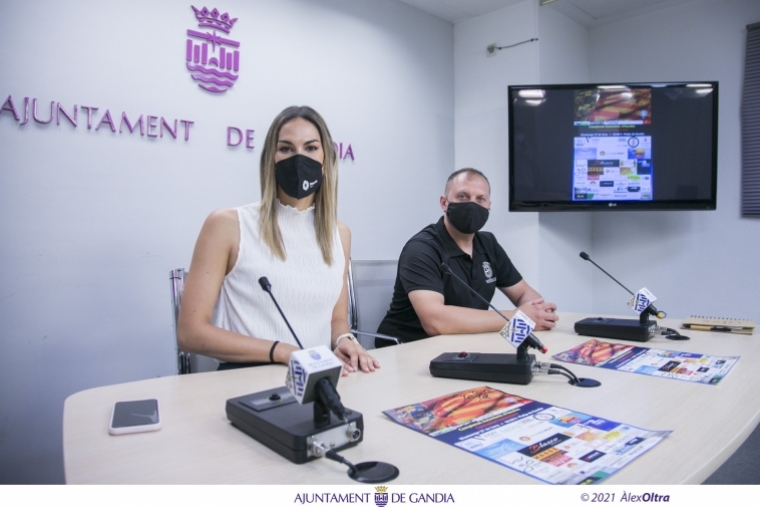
(488, 272)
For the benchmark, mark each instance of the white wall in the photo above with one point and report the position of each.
(565, 279)
(703, 262)
(697, 262)
(481, 120)
(543, 246)
(92, 222)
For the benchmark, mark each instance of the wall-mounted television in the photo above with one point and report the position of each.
(629, 146)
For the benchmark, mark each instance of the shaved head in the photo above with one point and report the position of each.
(470, 174)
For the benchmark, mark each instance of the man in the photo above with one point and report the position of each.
(427, 302)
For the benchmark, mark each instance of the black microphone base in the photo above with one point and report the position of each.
(277, 420)
(620, 329)
(504, 368)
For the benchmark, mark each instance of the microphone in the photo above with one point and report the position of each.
(267, 287)
(651, 310)
(292, 430)
(312, 373)
(326, 390)
(312, 376)
(509, 368)
(640, 330)
(531, 339)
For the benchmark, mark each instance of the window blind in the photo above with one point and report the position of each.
(751, 125)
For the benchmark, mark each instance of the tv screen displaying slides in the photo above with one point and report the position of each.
(646, 146)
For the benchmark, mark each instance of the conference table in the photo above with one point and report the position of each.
(198, 445)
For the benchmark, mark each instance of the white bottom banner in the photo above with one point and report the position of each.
(376, 495)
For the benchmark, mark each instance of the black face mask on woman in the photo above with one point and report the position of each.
(467, 217)
(298, 176)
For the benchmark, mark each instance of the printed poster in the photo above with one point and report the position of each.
(552, 444)
(686, 366)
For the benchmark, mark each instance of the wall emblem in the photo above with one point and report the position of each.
(213, 59)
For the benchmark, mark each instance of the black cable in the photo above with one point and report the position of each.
(513, 45)
(560, 367)
(673, 334)
(564, 374)
(330, 454)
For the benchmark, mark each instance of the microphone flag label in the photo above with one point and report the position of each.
(296, 378)
(309, 366)
(518, 329)
(641, 300)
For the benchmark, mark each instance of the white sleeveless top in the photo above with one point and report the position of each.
(306, 288)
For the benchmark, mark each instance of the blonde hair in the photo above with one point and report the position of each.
(326, 196)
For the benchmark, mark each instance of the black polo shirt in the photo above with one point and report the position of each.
(419, 268)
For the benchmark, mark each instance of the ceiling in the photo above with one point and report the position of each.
(588, 13)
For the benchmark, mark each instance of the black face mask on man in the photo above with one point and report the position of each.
(467, 217)
(298, 176)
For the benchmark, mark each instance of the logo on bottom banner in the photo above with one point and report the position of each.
(382, 497)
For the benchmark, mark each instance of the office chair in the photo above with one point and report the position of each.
(186, 362)
(370, 289)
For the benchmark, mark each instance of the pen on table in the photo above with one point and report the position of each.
(714, 328)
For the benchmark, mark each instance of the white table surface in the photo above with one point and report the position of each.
(198, 445)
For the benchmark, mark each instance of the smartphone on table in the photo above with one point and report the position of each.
(134, 417)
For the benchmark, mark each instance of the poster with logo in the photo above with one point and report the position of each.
(613, 145)
(552, 444)
(686, 366)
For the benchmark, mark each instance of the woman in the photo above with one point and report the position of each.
(293, 238)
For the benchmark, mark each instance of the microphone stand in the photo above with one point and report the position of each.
(516, 368)
(640, 330)
(288, 426)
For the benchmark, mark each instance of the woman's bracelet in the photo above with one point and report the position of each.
(350, 336)
(271, 352)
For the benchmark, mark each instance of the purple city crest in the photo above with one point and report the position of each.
(212, 59)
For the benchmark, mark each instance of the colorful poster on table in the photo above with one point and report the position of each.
(551, 444)
(686, 366)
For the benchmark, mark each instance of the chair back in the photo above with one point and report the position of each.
(186, 362)
(370, 289)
